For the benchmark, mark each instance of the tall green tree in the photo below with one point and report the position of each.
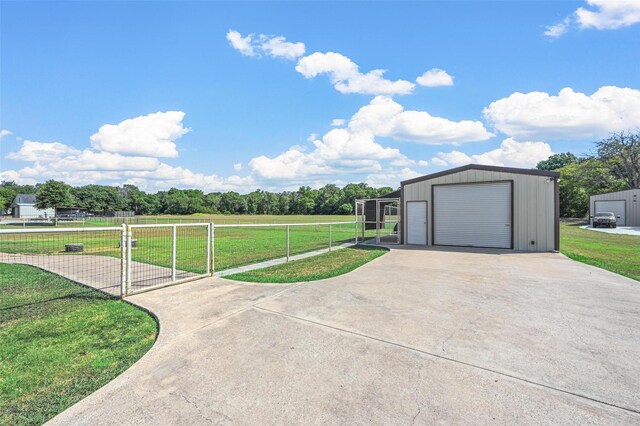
(182, 201)
(232, 203)
(139, 201)
(579, 181)
(99, 198)
(9, 190)
(557, 161)
(54, 194)
(621, 152)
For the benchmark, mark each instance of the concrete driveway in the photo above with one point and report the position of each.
(624, 230)
(416, 336)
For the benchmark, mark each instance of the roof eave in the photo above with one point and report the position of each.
(533, 172)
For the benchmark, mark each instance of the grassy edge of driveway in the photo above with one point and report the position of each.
(60, 341)
(614, 252)
(313, 268)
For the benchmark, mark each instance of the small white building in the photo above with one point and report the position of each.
(24, 207)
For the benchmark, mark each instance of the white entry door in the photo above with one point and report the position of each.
(473, 215)
(417, 222)
(615, 207)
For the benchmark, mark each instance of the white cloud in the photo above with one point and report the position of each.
(344, 74)
(510, 153)
(385, 117)
(407, 162)
(166, 176)
(339, 151)
(601, 15)
(609, 14)
(4, 133)
(338, 122)
(354, 148)
(347, 78)
(103, 161)
(237, 167)
(162, 176)
(291, 164)
(569, 115)
(15, 176)
(435, 77)
(391, 178)
(559, 29)
(151, 135)
(241, 44)
(279, 47)
(438, 162)
(42, 151)
(54, 160)
(274, 46)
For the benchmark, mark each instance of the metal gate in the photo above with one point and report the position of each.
(159, 255)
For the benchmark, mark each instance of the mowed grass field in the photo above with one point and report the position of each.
(613, 252)
(60, 341)
(233, 246)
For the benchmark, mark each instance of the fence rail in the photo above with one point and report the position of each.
(134, 258)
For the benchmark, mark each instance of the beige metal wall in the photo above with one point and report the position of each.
(533, 205)
(632, 205)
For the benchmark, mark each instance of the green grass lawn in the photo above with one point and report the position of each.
(60, 341)
(613, 252)
(313, 268)
(233, 246)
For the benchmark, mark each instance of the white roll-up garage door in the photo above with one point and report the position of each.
(615, 207)
(474, 215)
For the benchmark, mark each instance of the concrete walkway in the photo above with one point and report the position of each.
(278, 261)
(416, 336)
(625, 230)
(99, 272)
(103, 272)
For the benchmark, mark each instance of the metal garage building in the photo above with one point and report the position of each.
(483, 206)
(625, 204)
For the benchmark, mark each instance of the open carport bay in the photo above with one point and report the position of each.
(460, 336)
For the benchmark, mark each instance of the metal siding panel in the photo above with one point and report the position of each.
(533, 210)
(532, 214)
(633, 204)
(475, 214)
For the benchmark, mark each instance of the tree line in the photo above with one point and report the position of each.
(98, 199)
(614, 166)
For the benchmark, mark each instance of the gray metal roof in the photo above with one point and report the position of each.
(486, 168)
(25, 199)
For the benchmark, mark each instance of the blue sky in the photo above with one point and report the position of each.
(239, 96)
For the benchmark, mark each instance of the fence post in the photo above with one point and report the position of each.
(287, 243)
(128, 268)
(377, 222)
(355, 211)
(210, 249)
(123, 262)
(329, 237)
(173, 252)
